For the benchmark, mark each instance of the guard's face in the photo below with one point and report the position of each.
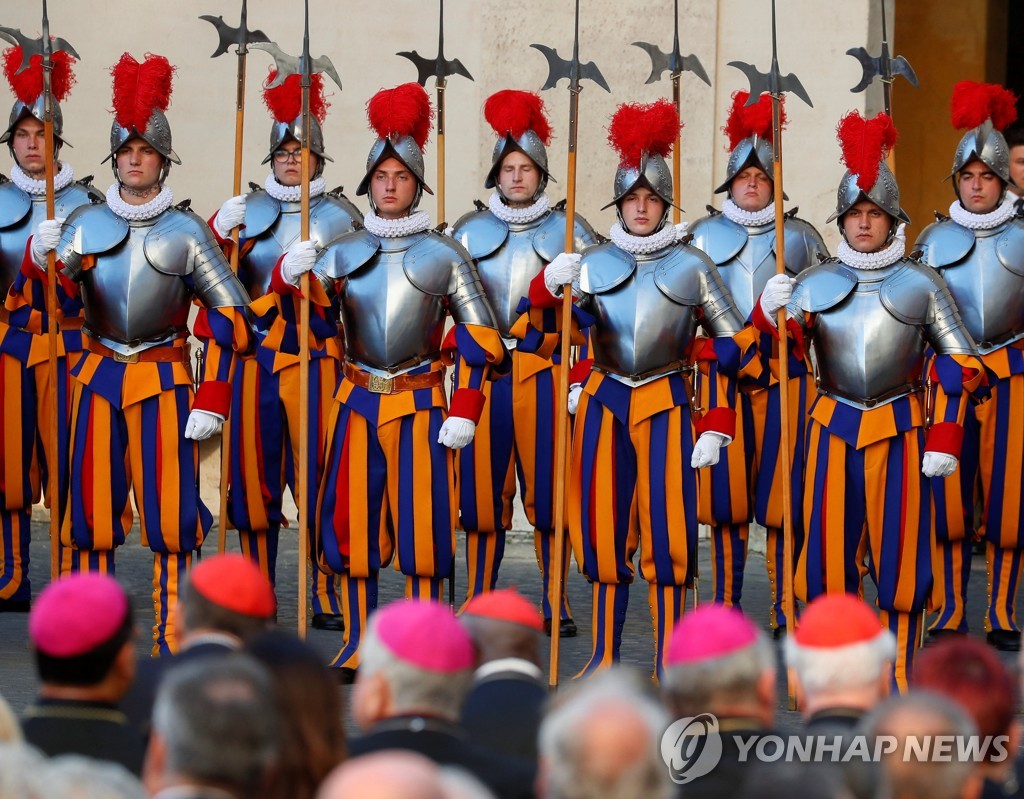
(642, 211)
(751, 189)
(866, 227)
(980, 188)
(28, 142)
(1017, 167)
(287, 163)
(518, 179)
(139, 165)
(393, 189)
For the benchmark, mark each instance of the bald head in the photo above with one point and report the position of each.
(384, 775)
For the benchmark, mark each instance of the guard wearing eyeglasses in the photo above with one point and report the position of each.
(265, 389)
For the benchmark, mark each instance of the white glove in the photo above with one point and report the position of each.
(449, 231)
(777, 293)
(706, 450)
(564, 269)
(901, 233)
(230, 216)
(45, 238)
(574, 397)
(682, 229)
(938, 464)
(297, 261)
(203, 424)
(456, 432)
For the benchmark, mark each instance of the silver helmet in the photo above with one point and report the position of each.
(157, 135)
(653, 173)
(405, 150)
(986, 144)
(751, 151)
(282, 132)
(530, 145)
(884, 193)
(20, 111)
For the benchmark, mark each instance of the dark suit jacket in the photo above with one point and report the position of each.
(92, 729)
(503, 711)
(447, 744)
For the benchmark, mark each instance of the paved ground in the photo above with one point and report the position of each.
(134, 566)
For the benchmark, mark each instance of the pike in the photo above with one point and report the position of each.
(776, 84)
(676, 64)
(886, 68)
(227, 36)
(45, 47)
(559, 68)
(304, 66)
(439, 68)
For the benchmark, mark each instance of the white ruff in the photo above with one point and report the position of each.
(292, 194)
(38, 187)
(993, 218)
(872, 260)
(640, 245)
(154, 207)
(393, 228)
(518, 216)
(748, 218)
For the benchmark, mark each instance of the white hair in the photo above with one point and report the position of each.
(20, 766)
(412, 688)
(694, 688)
(859, 665)
(562, 743)
(77, 777)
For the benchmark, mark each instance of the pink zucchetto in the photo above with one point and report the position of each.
(711, 631)
(76, 614)
(425, 635)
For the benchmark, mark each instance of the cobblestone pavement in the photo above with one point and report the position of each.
(134, 569)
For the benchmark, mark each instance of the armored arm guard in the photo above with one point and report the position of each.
(804, 245)
(721, 317)
(946, 331)
(917, 295)
(89, 230)
(441, 266)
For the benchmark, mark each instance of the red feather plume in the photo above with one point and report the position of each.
(745, 121)
(285, 101)
(515, 112)
(974, 102)
(140, 88)
(637, 129)
(29, 84)
(402, 111)
(865, 144)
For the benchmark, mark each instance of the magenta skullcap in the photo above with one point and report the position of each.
(76, 614)
(711, 631)
(425, 635)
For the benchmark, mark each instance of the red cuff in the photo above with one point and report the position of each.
(581, 370)
(213, 396)
(717, 420)
(29, 268)
(945, 437)
(764, 324)
(280, 285)
(539, 295)
(467, 403)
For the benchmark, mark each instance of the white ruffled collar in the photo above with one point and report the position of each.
(382, 228)
(292, 194)
(874, 260)
(641, 245)
(136, 213)
(35, 187)
(748, 218)
(518, 216)
(994, 218)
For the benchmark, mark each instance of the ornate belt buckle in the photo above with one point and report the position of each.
(381, 385)
(120, 357)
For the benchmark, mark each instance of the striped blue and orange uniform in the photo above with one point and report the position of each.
(866, 505)
(388, 490)
(990, 479)
(26, 394)
(265, 424)
(746, 483)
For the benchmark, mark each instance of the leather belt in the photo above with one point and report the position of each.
(160, 354)
(377, 384)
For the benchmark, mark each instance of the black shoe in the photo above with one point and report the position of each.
(344, 675)
(935, 636)
(15, 605)
(328, 621)
(566, 628)
(1004, 640)
(778, 633)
